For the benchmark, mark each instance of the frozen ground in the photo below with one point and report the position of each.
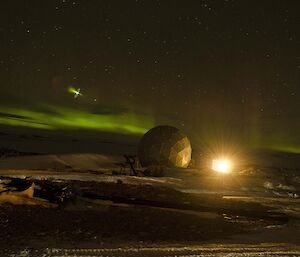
(210, 250)
(89, 205)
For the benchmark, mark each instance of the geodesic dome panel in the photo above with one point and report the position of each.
(165, 145)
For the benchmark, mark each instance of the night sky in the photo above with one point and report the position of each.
(221, 71)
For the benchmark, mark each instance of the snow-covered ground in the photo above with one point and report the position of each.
(186, 206)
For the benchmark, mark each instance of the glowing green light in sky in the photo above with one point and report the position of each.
(54, 117)
(74, 91)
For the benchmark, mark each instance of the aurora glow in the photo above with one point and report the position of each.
(57, 117)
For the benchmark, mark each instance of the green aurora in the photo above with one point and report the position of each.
(57, 117)
(50, 117)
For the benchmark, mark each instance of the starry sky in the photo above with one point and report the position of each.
(222, 71)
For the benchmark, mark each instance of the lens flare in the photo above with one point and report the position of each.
(222, 165)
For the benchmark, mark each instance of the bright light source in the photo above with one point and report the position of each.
(222, 166)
